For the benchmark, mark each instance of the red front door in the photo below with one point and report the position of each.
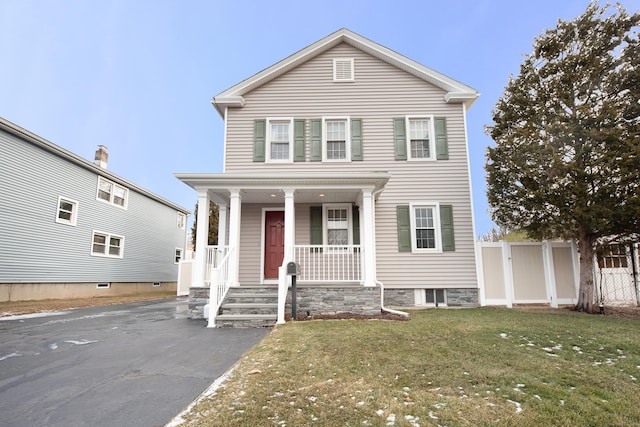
(273, 243)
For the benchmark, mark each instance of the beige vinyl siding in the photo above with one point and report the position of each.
(379, 93)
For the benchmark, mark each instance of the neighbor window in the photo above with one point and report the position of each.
(343, 70)
(337, 224)
(181, 221)
(67, 211)
(178, 256)
(613, 256)
(336, 143)
(108, 245)
(420, 143)
(111, 192)
(279, 140)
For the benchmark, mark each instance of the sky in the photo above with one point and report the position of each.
(137, 76)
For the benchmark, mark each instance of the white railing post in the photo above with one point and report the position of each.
(283, 287)
(213, 297)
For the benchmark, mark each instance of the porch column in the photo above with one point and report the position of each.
(235, 204)
(198, 273)
(222, 221)
(289, 225)
(367, 240)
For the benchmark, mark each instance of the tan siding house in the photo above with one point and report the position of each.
(352, 161)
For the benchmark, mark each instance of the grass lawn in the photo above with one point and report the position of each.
(468, 367)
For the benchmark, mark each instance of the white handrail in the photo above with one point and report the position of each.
(218, 288)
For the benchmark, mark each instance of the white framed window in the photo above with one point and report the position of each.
(107, 245)
(279, 140)
(338, 229)
(343, 70)
(112, 193)
(181, 221)
(103, 285)
(178, 256)
(425, 227)
(431, 297)
(420, 138)
(67, 212)
(336, 141)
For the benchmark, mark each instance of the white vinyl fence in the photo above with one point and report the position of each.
(527, 273)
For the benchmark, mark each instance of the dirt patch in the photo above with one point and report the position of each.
(613, 311)
(16, 308)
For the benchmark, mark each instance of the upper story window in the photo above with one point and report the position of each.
(420, 141)
(336, 141)
(343, 70)
(67, 212)
(108, 245)
(279, 140)
(181, 221)
(111, 192)
(178, 256)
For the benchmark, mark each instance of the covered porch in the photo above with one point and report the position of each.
(323, 222)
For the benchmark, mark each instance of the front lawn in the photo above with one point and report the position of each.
(472, 367)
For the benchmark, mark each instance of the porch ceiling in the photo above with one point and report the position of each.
(270, 188)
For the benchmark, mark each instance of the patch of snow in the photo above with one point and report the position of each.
(379, 412)
(503, 335)
(83, 342)
(9, 356)
(53, 346)
(34, 315)
(391, 420)
(518, 405)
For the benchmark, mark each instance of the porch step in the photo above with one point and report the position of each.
(249, 307)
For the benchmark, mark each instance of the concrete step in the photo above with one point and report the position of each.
(246, 320)
(249, 307)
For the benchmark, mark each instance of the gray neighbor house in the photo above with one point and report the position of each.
(350, 160)
(73, 229)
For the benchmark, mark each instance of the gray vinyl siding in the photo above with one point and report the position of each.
(380, 93)
(35, 248)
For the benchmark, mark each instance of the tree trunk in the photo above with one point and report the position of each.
(585, 295)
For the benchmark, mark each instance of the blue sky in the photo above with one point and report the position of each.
(137, 75)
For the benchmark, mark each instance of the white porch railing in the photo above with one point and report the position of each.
(326, 263)
(215, 255)
(218, 280)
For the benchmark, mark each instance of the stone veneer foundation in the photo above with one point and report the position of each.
(456, 297)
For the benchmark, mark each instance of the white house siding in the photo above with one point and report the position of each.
(380, 92)
(36, 249)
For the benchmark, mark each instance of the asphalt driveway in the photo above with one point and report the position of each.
(136, 364)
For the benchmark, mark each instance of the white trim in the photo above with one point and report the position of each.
(74, 211)
(352, 70)
(436, 224)
(267, 144)
(432, 139)
(263, 220)
(456, 91)
(347, 135)
(112, 194)
(107, 242)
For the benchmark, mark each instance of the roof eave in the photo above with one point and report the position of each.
(467, 98)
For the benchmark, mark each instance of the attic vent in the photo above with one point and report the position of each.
(343, 70)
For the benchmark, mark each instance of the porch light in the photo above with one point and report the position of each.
(274, 195)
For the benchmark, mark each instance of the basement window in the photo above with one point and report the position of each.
(431, 297)
(103, 286)
(156, 284)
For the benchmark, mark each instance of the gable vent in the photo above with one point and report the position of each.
(343, 70)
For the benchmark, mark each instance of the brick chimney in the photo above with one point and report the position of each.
(101, 156)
